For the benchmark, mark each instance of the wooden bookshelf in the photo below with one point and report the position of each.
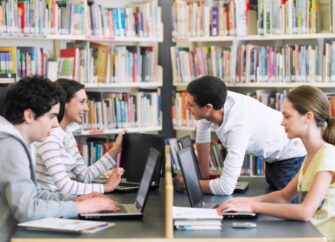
(128, 24)
(205, 33)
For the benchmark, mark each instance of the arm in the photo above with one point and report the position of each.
(203, 155)
(50, 153)
(103, 164)
(237, 140)
(283, 196)
(20, 191)
(203, 138)
(303, 211)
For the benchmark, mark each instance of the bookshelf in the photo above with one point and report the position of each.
(254, 46)
(260, 48)
(109, 46)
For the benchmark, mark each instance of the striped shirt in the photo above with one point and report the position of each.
(58, 159)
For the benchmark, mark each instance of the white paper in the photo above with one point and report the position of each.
(195, 213)
(66, 225)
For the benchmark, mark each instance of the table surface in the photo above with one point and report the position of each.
(151, 226)
(267, 226)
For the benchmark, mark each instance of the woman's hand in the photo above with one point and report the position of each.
(240, 204)
(117, 146)
(114, 179)
(97, 204)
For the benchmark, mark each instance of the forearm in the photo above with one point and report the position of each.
(285, 211)
(55, 196)
(204, 184)
(203, 155)
(273, 197)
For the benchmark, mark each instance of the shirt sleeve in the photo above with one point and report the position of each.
(85, 173)
(236, 145)
(328, 163)
(203, 131)
(21, 192)
(50, 153)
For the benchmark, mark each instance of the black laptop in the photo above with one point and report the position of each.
(186, 141)
(135, 210)
(193, 188)
(135, 149)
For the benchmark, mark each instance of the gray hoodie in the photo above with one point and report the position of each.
(20, 198)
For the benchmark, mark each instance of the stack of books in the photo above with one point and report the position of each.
(185, 218)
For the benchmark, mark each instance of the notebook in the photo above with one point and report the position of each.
(193, 188)
(186, 141)
(133, 211)
(135, 149)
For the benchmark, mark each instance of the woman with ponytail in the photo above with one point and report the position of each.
(306, 115)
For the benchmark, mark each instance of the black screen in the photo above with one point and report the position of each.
(143, 190)
(185, 142)
(190, 177)
(135, 150)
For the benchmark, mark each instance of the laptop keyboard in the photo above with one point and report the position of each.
(128, 208)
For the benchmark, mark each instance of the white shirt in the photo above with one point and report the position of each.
(248, 127)
(58, 159)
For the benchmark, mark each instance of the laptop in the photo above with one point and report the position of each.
(132, 211)
(185, 142)
(192, 184)
(135, 149)
(193, 188)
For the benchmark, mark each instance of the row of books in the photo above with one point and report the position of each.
(189, 63)
(141, 19)
(247, 17)
(253, 166)
(273, 99)
(93, 149)
(186, 218)
(123, 110)
(295, 16)
(255, 63)
(181, 116)
(22, 61)
(99, 63)
(39, 17)
(88, 63)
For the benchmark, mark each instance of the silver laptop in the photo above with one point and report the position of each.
(132, 210)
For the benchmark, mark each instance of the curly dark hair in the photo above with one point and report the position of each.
(208, 90)
(36, 93)
(69, 87)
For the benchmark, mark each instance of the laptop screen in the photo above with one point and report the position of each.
(135, 150)
(190, 177)
(147, 176)
(185, 142)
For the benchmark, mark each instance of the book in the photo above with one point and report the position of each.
(69, 59)
(196, 213)
(198, 227)
(66, 225)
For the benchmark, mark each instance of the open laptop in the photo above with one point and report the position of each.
(193, 188)
(135, 149)
(186, 141)
(133, 211)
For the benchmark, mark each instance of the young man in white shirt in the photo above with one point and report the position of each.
(244, 126)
